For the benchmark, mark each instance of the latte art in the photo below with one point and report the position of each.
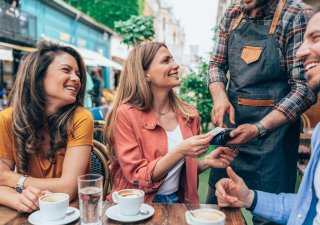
(130, 193)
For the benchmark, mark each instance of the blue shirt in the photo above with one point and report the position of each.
(293, 209)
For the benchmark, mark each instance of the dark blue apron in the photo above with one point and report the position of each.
(258, 81)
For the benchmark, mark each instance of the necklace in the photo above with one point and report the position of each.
(162, 113)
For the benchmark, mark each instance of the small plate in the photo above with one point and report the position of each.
(114, 213)
(36, 218)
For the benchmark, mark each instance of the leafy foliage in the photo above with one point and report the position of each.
(195, 92)
(135, 30)
(109, 11)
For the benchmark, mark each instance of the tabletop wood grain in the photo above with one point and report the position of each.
(165, 214)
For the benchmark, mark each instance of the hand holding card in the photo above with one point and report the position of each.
(220, 135)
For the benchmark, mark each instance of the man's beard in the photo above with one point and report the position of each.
(257, 4)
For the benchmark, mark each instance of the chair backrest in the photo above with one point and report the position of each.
(100, 164)
(98, 131)
(305, 121)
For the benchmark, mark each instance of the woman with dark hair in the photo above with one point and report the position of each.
(46, 129)
(154, 134)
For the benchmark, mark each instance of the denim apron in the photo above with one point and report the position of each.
(258, 82)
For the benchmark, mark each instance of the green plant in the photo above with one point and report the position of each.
(109, 11)
(195, 92)
(135, 30)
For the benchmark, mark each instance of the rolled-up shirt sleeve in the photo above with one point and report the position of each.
(218, 65)
(136, 169)
(301, 97)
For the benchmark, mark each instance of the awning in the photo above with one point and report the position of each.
(6, 54)
(92, 58)
(18, 47)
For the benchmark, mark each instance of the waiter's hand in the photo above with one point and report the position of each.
(220, 107)
(243, 134)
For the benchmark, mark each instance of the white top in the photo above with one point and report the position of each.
(171, 182)
(316, 184)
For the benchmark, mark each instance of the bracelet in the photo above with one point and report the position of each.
(261, 129)
(254, 201)
(19, 185)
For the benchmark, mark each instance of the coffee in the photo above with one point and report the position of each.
(130, 193)
(207, 215)
(54, 198)
(53, 206)
(129, 201)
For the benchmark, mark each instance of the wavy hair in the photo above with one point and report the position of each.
(29, 104)
(134, 89)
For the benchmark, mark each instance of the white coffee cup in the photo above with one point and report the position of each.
(205, 217)
(129, 201)
(54, 206)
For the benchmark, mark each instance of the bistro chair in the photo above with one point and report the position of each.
(98, 131)
(100, 164)
(304, 150)
(306, 124)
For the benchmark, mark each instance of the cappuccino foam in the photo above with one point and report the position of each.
(130, 194)
(53, 198)
(207, 215)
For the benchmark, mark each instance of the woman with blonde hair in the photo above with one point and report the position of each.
(153, 134)
(45, 129)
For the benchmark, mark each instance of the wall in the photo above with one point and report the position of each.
(66, 26)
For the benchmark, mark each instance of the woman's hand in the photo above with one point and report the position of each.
(28, 200)
(195, 146)
(218, 158)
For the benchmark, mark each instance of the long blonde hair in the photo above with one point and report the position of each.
(134, 89)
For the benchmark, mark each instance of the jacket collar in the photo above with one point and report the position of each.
(149, 120)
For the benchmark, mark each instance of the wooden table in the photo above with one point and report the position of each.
(171, 214)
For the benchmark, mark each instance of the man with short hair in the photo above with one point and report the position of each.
(267, 91)
(292, 209)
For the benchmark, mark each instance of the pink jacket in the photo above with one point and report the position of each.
(140, 142)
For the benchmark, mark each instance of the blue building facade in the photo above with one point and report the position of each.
(59, 21)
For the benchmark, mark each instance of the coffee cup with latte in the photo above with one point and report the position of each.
(205, 217)
(129, 201)
(53, 206)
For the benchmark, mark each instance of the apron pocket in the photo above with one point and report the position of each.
(251, 54)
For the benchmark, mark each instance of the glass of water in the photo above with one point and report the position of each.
(90, 198)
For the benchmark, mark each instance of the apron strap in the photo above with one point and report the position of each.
(276, 16)
(275, 19)
(238, 21)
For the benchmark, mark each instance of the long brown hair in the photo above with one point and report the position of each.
(29, 103)
(134, 89)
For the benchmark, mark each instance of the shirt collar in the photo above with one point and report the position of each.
(268, 8)
(149, 120)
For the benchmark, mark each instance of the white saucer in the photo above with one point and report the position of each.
(36, 218)
(114, 213)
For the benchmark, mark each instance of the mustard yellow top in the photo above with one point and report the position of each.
(38, 165)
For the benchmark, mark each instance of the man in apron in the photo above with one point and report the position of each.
(267, 91)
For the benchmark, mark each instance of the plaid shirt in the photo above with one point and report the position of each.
(289, 33)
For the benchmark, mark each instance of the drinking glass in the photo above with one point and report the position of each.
(90, 198)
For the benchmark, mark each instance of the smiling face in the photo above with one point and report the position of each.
(309, 51)
(163, 71)
(62, 82)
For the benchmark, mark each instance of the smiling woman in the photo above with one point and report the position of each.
(46, 128)
(155, 135)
